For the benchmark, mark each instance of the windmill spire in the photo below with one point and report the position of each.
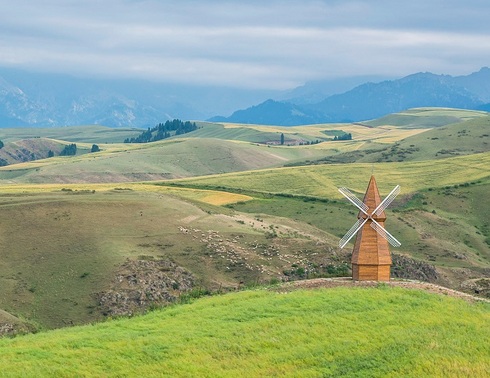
(372, 199)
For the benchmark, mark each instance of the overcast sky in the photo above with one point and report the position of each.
(255, 44)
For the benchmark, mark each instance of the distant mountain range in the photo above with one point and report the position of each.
(373, 100)
(43, 100)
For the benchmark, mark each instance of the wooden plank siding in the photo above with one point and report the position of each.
(371, 259)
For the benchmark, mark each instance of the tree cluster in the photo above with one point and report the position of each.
(163, 130)
(69, 150)
(307, 143)
(346, 136)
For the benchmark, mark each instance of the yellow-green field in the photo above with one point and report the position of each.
(230, 207)
(324, 180)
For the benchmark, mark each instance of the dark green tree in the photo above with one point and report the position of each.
(95, 148)
(69, 150)
(50, 154)
(163, 131)
(1, 144)
(282, 139)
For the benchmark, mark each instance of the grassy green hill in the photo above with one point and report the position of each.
(438, 218)
(338, 332)
(323, 180)
(426, 117)
(116, 231)
(467, 137)
(74, 134)
(65, 247)
(160, 160)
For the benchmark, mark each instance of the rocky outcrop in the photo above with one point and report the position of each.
(13, 328)
(478, 286)
(406, 267)
(143, 284)
(7, 329)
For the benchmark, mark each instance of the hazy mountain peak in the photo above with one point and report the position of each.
(372, 100)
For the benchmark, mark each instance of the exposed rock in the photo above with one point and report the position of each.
(142, 284)
(479, 286)
(12, 329)
(7, 329)
(406, 267)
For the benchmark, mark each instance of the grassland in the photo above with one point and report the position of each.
(331, 333)
(301, 134)
(85, 134)
(427, 117)
(323, 180)
(230, 212)
(207, 151)
(160, 160)
(63, 245)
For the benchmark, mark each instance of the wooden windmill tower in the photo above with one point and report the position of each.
(371, 258)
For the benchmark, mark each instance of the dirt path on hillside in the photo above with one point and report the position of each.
(348, 282)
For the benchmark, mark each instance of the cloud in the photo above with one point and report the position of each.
(273, 44)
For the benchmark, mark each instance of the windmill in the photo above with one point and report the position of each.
(371, 258)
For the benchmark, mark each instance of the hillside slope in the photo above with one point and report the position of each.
(330, 332)
(82, 233)
(439, 217)
(76, 254)
(159, 160)
(443, 138)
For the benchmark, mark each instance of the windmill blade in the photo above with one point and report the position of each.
(356, 201)
(386, 202)
(353, 230)
(385, 234)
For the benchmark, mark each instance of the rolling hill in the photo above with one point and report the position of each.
(342, 332)
(79, 253)
(116, 233)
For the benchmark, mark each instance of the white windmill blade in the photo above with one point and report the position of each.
(385, 234)
(386, 202)
(353, 230)
(356, 201)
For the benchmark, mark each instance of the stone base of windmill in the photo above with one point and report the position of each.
(370, 272)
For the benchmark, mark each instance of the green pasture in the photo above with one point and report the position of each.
(444, 226)
(324, 180)
(426, 117)
(325, 332)
(301, 134)
(86, 134)
(70, 222)
(153, 161)
(439, 216)
(61, 245)
(463, 138)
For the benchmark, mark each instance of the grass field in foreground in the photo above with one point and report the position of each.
(326, 332)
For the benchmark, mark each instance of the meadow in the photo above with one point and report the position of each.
(229, 213)
(338, 332)
(324, 180)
